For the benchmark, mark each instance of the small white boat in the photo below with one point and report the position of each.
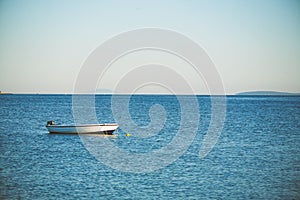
(82, 129)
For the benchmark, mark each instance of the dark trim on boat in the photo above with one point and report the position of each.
(110, 132)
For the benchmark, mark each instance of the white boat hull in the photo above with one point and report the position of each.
(83, 129)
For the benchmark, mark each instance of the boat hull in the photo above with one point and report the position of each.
(83, 129)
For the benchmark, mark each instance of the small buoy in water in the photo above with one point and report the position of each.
(128, 135)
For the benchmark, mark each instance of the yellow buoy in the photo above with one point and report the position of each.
(128, 135)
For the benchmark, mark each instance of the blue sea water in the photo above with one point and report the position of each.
(257, 155)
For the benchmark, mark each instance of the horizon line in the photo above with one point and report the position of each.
(248, 93)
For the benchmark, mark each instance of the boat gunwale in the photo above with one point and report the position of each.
(83, 125)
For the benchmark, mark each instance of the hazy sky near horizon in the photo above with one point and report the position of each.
(255, 45)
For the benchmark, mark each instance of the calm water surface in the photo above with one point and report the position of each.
(257, 155)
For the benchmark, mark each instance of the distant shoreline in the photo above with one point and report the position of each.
(266, 93)
(248, 93)
(5, 93)
(241, 94)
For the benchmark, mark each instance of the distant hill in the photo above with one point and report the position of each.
(268, 93)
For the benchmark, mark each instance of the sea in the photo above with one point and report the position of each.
(256, 154)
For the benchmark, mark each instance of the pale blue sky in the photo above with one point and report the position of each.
(255, 45)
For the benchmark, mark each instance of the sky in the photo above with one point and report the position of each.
(254, 45)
